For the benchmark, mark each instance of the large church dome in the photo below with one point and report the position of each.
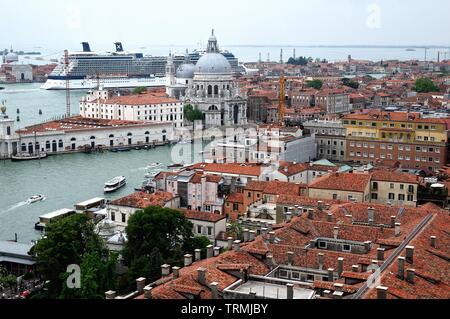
(213, 63)
(186, 71)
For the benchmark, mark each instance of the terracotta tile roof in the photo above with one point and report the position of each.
(342, 181)
(143, 200)
(229, 168)
(290, 169)
(236, 198)
(203, 216)
(148, 98)
(274, 187)
(386, 176)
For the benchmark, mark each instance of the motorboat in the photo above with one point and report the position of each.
(115, 184)
(35, 199)
(120, 149)
(28, 157)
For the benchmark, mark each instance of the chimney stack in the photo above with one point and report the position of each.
(288, 217)
(165, 270)
(380, 254)
(198, 254)
(264, 232)
(216, 251)
(148, 292)
(401, 268)
(290, 291)
(252, 235)
(246, 235)
(215, 290)
(201, 275)
(187, 260)
(272, 237)
(330, 274)
(290, 257)
(397, 229)
(270, 262)
(393, 218)
(336, 232)
(410, 254)
(330, 217)
(433, 241)
(140, 285)
(310, 213)
(237, 245)
(367, 245)
(410, 275)
(375, 264)
(209, 251)
(340, 266)
(371, 215)
(355, 268)
(230, 243)
(382, 292)
(110, 294)
(320, 256)
(176, 272)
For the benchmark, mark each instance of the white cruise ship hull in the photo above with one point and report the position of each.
(107, 83)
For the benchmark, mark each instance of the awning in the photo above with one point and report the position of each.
(19, 261)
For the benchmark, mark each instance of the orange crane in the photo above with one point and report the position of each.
(66, 62)
(282, 100)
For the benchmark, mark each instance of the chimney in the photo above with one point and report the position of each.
(433, 241)
(371, 214)
(201, 275)
(110, 295)
(355, 268)
(382, 292)
(230, 243)
(272, 237)
(264, 232)
(290, 291)
(288, 217)
(330, 217)
(252, 235)
(380, 254)
(176, 272)
(367, 245)
(140, 285)
(148, 292)
(310, 213)
(397, 229)
(198, 254)
(393, 218)
(312, 243)
(246, 235)
(216, 251)
(340, 266)
(209, 251)
(374, 264)
(290, 257)
(165, 270)
(320, 256)
(401, 268)
(330, 274)
(187, 260)
(237, 245)
(215, 290)
(336, 232)
(270, 262)
(410, 275)
(410, 254)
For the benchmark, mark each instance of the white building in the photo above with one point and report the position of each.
(76, 134)
(148, 106)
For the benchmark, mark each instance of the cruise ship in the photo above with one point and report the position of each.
(119, 69)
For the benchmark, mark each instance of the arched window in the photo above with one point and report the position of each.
(60, 144)
(216, 90)
(111, 136)
(24, 147)
(92, 137)
(164, 132)
(213, 108)
(47, 145)
(73, 139)
(210, 89)
(147, 133)
(130, 134)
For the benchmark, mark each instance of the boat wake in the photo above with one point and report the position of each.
(16, 206)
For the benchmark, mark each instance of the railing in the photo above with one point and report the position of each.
(361, 291)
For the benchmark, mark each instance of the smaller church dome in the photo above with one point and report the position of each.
(11, 57)
(186, 71)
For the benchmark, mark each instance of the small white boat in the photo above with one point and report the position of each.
(154, 165)
(35, 199)
(115, 184)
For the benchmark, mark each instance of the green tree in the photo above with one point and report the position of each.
(348, 82)
(192, 114)
(235, 230)
(139, 90)
(299, 61)
(199, 243)
(73, 241)
(316, 84)
(425, 85)
(166, 229)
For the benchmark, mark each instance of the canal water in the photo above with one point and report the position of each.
(64, 179)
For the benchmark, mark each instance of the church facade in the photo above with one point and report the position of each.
(209, 86)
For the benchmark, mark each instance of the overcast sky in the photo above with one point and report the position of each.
(53, 24)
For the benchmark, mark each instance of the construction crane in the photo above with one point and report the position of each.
(66, 63)
(282, 100)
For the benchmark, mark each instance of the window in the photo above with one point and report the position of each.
(199, 229)
(401, 197)
(411, 188)
(8, 130)
(309, 277)
(113, 216)
(210, 231)
(335, 196)
(124, 218)
(322, 244)
(374, 196)
(283, 274)
(410, 198)
(346, 247)
(391, 196)
(249, 194)
(392, 186)
(295, 275)
(235, 207)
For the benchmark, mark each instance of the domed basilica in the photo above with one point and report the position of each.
(209, 86)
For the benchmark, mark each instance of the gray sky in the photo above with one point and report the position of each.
(57, 25)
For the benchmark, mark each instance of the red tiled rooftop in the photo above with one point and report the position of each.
(142, 200)
(342, 181)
